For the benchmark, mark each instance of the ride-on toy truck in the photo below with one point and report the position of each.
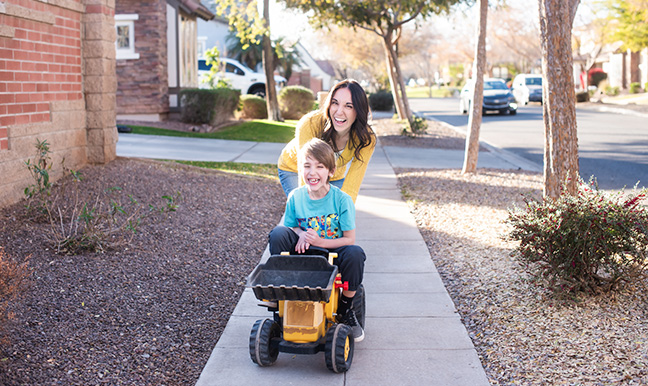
(302, 292)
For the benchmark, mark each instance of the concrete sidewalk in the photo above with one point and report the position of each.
(413, 333)
(218, 150)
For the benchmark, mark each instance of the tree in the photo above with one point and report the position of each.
(384, 18)
(272, 102)
(475, 117)
(515, 38)
(559, 107)
(243, 16)
(358, 58)
(245, 52)
(285, 54)
(631, 23)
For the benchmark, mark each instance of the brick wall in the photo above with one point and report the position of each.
(44, 89)
(143, 86)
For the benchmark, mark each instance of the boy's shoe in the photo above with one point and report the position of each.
(349, 318)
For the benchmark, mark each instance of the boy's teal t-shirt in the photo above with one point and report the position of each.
(328, 216)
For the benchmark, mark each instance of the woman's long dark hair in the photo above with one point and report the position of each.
(361, 134)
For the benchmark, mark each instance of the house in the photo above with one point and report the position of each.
(57, 83)
(156, 55)
(621, 66)
(318, 75)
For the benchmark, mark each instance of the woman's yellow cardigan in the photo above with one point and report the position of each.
(311, 126)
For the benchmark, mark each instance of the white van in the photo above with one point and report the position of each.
(240, 76)
(527, 88)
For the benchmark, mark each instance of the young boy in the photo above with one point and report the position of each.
(321, 215)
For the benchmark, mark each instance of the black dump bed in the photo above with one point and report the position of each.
(291, 277)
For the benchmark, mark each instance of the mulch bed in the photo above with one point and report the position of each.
(150, 312)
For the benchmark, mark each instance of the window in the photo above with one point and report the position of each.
(233, 69)
(125, 43)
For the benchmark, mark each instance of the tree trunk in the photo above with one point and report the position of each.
(272, 102)
(475, 118)
(559, 98)
(396, 79)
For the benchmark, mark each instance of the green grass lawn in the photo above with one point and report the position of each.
(256, 131)
(423, 92)
(248, 169)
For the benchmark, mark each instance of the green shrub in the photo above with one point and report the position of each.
(295, 101)
(77, 223)
(213, 106)
(252, 107)
(582, 96)
(381, 100)
(635, 88)
(588, 242)
(612, 91)
(38, 193)
(418, 125)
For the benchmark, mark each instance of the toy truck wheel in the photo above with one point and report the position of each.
(262, 352)
(338, 350)
(359, 305)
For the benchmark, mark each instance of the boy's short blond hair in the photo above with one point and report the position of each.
(319, 151)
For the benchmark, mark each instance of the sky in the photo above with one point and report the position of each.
(294, 24)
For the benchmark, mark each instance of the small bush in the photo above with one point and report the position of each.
(611, 91)
(214, 106)
(40, 169)
(635, 88)
(13, 280)
(78, 224)
(252, 107)
(381, 100)
(582, 96)
(588, 242)
(418, 125)
(295, 101)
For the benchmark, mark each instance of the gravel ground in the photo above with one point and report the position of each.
(523, 335)
(150, 313)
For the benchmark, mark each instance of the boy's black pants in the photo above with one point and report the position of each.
(350, 260)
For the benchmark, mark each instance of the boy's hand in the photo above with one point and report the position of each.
(302, 245)
(312, 237)
(306, 239)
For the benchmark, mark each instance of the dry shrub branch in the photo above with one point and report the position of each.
(13, 280)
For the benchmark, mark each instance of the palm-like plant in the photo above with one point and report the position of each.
(285, 54)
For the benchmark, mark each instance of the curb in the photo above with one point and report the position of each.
(505, 155)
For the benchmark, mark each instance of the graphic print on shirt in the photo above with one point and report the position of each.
(327, 227)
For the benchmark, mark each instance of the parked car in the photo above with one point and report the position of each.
(497, 97)
(527, 88)
(240, 76)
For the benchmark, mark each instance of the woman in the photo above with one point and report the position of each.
(342, 123)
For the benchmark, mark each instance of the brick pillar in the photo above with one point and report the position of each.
(305, 77)
(100, 81)
(635, 74)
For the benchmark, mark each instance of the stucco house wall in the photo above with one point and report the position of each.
(57, 83)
